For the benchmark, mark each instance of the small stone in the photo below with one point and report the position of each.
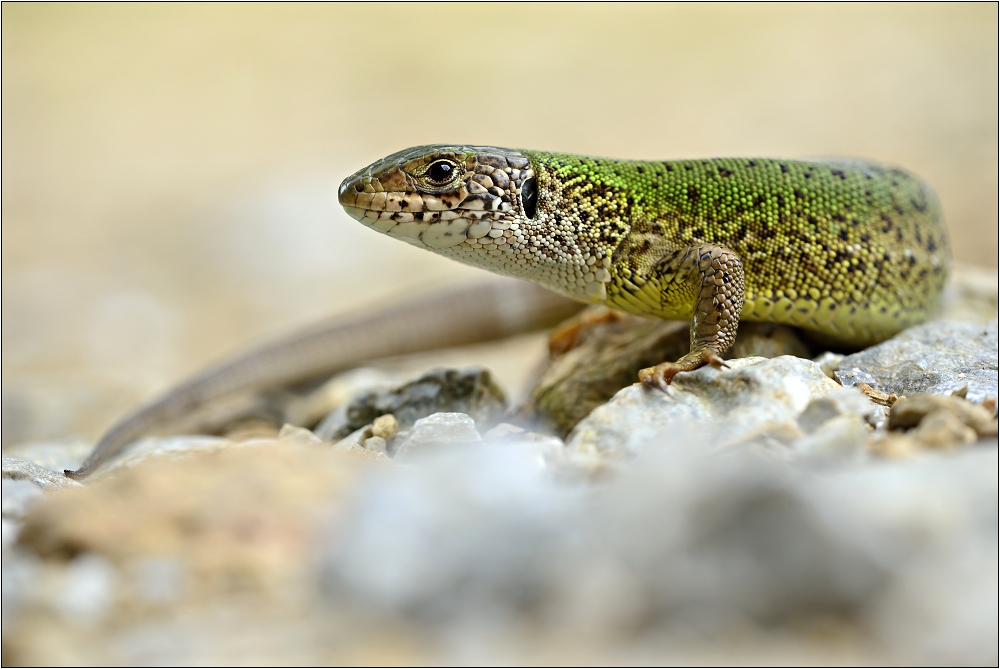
(354, 439)
(844, 434)
(368, 454)
(310, 409)
(301, 435)
(895, 446)
(439, 432)
(829, 362)
(502, 431)
(910, 412)
(840, 402)
(876, 396)
(385, 427)
(470, 390)
(376, 444)
(943, 429)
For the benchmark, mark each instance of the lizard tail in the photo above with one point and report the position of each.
(478, 312)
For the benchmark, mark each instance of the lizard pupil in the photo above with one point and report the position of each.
(529, 197)
(439, 171)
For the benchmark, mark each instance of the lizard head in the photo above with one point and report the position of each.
(497, 209)
(444, 196)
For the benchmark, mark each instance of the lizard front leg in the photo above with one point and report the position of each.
(715, 275)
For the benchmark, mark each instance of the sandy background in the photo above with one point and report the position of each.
(169, 171)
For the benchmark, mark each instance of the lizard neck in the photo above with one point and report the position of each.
(568, 245)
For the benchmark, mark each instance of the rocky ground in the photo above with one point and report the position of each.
(800, 507)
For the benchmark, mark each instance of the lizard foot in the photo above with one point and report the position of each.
(660, 376)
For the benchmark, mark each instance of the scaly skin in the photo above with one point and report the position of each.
(851, 251)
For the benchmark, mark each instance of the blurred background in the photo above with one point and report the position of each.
(169, 171)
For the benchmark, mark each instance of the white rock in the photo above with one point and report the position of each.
(937, 358)
(755, 394)
(829, 362)
(439, 432)
(15, 469)
(298, 434)
(841, 402)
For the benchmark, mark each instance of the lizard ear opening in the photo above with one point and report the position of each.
(529, 197)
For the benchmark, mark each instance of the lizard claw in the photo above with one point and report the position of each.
(712, 358)
(660, 376)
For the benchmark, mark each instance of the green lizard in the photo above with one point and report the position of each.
(852, 251)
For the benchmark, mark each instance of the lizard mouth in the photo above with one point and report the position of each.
(436, 229)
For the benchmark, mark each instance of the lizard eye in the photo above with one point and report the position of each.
(440, 171)
(529, 197)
